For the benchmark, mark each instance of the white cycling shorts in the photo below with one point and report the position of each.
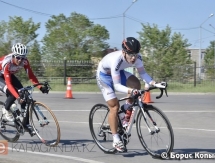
(105, 83)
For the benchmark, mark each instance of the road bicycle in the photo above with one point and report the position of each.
(42, 119)
(153, 127)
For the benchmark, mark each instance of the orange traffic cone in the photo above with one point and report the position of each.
(147, 97)
(69, 89)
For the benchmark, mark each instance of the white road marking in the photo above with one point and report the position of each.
(193, 129)
(59, 156)
(177, 128)
(197, 111)
(173, 111)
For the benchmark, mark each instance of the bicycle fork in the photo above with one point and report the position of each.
(44, 118)
(145, 114)
(145, 111)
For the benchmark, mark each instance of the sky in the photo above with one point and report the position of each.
(188, 17)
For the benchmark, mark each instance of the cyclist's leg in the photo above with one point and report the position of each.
(105, 84)
(9, 101)
(129, 80)
(10, 98)
(18, 85)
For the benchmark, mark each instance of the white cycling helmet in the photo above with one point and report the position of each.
(19, 50)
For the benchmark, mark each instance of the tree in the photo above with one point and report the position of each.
(34, 58)
(73, 38)
(5, 47)
(163, 51)
(16, 30)
(210, 60)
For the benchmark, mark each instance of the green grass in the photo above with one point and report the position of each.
(76, 87)
(204, 87)
(171, 88)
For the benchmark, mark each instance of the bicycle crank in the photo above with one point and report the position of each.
(19, 127)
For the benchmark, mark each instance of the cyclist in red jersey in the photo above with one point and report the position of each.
(9, 84)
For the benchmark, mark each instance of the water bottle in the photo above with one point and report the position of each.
(128, 115)
(23, 111)
(121, 116)
(14, 109)
(127, 110)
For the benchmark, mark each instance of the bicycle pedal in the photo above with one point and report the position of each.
(124, 151)
(32, 134)
(3, 126)
(21, 132)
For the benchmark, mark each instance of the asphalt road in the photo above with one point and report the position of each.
(192, 118)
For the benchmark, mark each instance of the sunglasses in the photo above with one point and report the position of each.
(132, 54)
(19, 58)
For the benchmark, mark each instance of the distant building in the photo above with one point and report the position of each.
(194, 55)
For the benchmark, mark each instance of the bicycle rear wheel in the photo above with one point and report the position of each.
(45, 124)
(100, 129)
(8, 129)
(157, 137)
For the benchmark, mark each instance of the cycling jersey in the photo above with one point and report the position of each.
(7, 67)
(110, 71)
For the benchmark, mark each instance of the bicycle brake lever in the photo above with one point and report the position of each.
(161, 94)
(166, 92)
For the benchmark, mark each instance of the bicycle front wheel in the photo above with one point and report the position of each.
(100, 129)
(45, 124)
(155, 132)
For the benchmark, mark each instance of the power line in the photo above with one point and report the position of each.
(45, 14)
(207, 30)
(134, 19)
(190, 28)
(36, 12)
(140, 21)
(111, 17)
(117, 16)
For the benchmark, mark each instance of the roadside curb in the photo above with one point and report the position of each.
(155, 93)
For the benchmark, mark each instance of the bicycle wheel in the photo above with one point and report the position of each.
(100, 129)
(155, 131)
(45, 124)
(8, 129)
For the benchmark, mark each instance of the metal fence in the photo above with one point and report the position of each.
(182, 75)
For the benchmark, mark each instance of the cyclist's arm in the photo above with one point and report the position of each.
(143, 74)
(117, 81)
(30, 73)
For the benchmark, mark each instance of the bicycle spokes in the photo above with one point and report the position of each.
(100, 128)
(155, 131)
(103, 131)
(45, 124)
(153, 122)
(43, 120)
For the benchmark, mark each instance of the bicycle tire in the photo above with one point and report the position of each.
(8, 129)
(100, 129)
(47, 129)
(155, 149)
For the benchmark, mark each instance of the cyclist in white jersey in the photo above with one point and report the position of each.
(111, 76)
